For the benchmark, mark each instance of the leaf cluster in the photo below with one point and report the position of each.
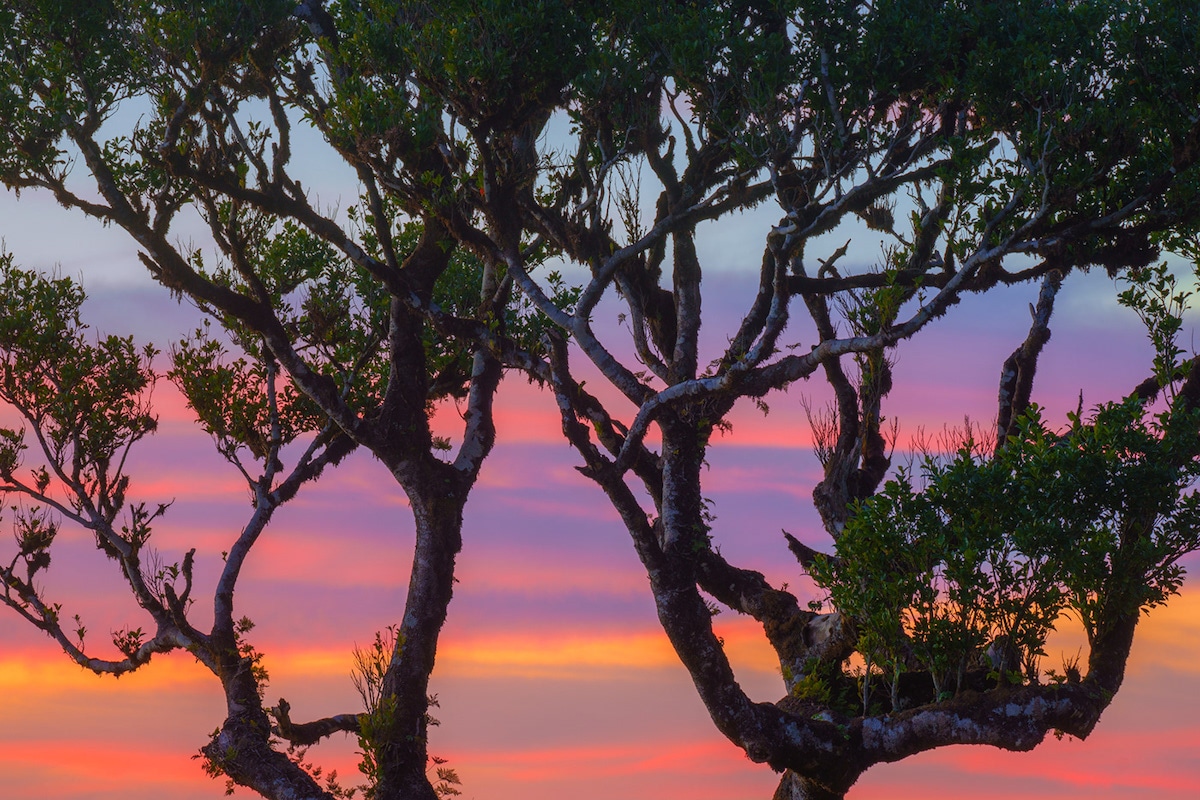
(994, 549)
(86, 402)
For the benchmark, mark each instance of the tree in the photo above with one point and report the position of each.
(1034, 140)
(84, 406)
(1021, 139)
(364, 316)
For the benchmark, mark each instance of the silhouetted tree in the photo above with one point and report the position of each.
(987, 144)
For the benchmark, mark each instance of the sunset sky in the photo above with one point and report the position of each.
(554, 678)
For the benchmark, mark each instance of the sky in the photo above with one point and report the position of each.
(553, 677)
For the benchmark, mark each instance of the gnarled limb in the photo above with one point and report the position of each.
(1017, 373)
(308, 733)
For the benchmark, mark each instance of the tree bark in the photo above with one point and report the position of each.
(241, 750)
(403, 754)
(794, 787)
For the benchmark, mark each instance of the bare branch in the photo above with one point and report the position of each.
(308, 733)
(1017, 373)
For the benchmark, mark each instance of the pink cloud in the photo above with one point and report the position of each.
(589, 763)
(68, 769)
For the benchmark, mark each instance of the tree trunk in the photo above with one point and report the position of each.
(242, 751)
(402, 765)
(794, 787)
(403, 754)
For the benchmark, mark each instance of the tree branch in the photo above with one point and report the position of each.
(309, 733)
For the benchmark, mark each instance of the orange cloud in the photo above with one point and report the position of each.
(562, 653)
(67, 768)
(571, 654)
(1170, 636)
(47, 672)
